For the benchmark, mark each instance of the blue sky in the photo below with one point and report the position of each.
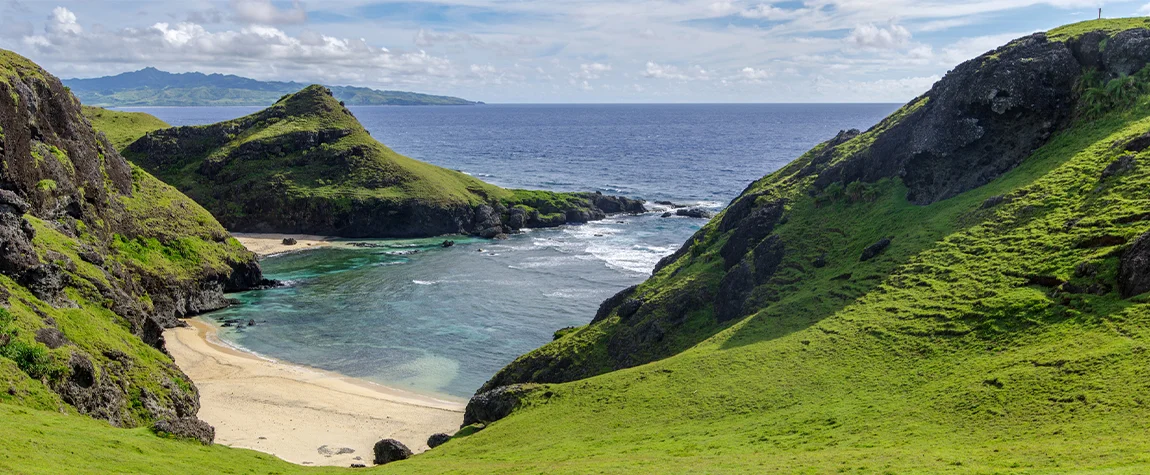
(547, 51)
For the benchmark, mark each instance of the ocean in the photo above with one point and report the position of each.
(416, 316)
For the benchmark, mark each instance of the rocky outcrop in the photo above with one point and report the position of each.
(390, 450)
(437, 439)
(1134, 268)
(986, 115)
(874, 250)
(494, 404)
(186, 428)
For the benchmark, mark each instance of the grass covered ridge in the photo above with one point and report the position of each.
(122, 128)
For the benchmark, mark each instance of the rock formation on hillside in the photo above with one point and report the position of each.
(98, 257)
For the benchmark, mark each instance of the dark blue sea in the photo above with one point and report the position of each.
(442, 321)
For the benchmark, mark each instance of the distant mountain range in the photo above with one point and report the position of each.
(152, 87)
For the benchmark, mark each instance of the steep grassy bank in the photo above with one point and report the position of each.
(122, 128)
(97, 258)
(306, 165)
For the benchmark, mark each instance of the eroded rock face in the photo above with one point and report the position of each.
(187, 428)
(1134, 268)
(492, 405)
(59, 173)
(987, 115)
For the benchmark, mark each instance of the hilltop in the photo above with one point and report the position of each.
(98, 258)
(306, 165)
(122, 128)
(152, 87)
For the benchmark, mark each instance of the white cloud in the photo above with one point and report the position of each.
(1144, 9)
(264, 12)
(251, 49)
(63, 21)
(663, 71)
(431, 38)
(875, 37)
(592, 70)
(767, 11)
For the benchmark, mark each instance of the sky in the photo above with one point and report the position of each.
(547, 51)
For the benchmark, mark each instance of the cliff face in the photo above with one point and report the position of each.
(785, 250)
(306, 165)
(98, 257)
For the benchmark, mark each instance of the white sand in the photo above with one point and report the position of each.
(268, 244)
(291, 411)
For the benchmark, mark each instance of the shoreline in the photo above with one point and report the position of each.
(300, 414)
(270, 244)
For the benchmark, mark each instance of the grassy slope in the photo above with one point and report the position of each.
(936, 356)
(122, 128)
(39, 442)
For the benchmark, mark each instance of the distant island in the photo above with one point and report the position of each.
(152, 87)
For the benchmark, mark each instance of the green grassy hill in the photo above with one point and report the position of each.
(122, 128)
(306, 165)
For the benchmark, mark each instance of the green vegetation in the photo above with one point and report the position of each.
(122, 128)
(1108, 26)
(152, 87)
(41, 442)
(307, 161)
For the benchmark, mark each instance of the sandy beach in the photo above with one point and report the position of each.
(268, 244)
(302, 415)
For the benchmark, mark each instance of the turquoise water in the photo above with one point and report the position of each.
(439, 320)
(443, 321)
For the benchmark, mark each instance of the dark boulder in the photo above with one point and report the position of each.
(1134, 268)
(1122, 165)
(734, 289)
(447, 243)
(699, 213)
(437, 439)
(289, 241)
(629, 308)
(750, 231)
(186, 428)
(517, 218)
(768, 256)
(667, 214)
(1126, 52)
(493, 405)
(874, 250)
(51, 337)
(608, 305)
(490, 233)
(390, 450)
(1139, 143)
